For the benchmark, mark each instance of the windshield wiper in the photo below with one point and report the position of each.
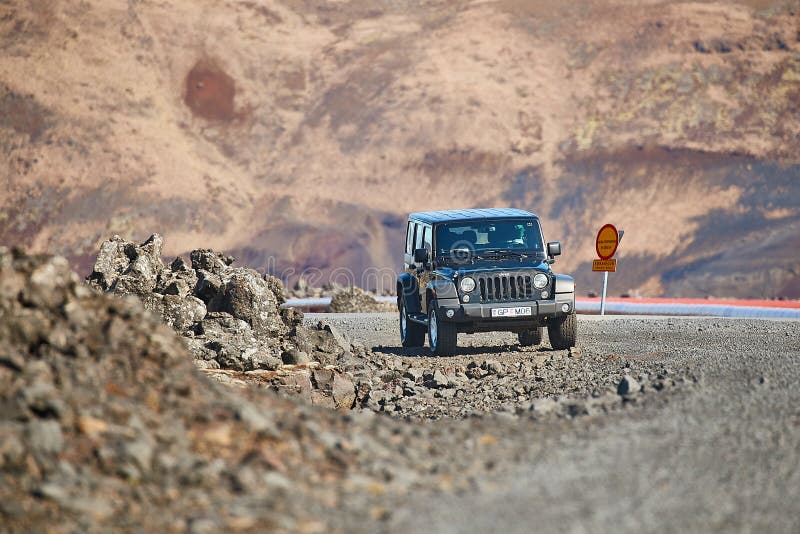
(501, 252)
(457, 255)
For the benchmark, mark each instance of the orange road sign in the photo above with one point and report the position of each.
(607, 242)
(605, 265)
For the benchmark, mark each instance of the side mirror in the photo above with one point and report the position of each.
(553, 249)
(421, 255)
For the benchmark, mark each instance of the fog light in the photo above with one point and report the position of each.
(466, 298)
(545, 294)
(450, 314)
(565, 308)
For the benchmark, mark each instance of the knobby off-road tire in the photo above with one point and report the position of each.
(442, 335)
(563, 332)
(530, 338)
(411, 334)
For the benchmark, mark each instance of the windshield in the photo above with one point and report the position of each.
(486, 237)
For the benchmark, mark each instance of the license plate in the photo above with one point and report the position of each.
(511, 312)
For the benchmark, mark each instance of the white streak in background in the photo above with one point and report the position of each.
(712, 310)
(627, 308)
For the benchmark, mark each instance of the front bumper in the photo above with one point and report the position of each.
(541, 310)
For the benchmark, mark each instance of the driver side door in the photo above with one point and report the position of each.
(424, 273)
(419, 235)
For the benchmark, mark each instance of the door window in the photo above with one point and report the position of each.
(426, 239)
(412, 226)
(418, 240)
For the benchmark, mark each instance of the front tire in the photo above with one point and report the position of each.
(412, 334)
(530, 338)
(442, 335)
(563, 332)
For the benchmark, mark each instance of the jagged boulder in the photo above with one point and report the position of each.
(125, 268)
(333, 389)
(114, 257)
(247, 296)
(182, 312)
(324, 343)
(208, 260)
(234, 345)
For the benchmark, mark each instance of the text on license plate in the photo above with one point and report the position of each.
(511, 312)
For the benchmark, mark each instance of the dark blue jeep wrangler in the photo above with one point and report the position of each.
(482, 270)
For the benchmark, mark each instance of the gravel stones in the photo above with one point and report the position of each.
(628, 386)
(496, 378)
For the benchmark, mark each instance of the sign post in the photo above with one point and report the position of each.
(606, 245)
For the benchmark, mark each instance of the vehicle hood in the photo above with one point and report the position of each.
(527, 264)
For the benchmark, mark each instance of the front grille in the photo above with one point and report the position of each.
(496, 288)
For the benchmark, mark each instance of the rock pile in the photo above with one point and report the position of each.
(230, 317)
(302, 290)
(106, 424)
(344, 299)
(536, 385)
(356, 300)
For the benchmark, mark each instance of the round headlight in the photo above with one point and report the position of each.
(467, 284)
(540, 281)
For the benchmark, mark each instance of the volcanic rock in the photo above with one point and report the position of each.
(182, 313)
(231, 317)
(247, 296)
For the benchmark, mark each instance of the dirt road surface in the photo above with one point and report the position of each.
(718, 451)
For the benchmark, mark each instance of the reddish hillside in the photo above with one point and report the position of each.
(298, 134)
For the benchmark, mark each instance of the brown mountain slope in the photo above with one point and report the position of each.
(298, 134)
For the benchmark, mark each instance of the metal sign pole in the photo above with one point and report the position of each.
(603, 299)
(602, 246)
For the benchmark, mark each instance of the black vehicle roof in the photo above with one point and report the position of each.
(433, 217)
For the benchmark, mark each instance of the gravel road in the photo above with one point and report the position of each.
(716, 448)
